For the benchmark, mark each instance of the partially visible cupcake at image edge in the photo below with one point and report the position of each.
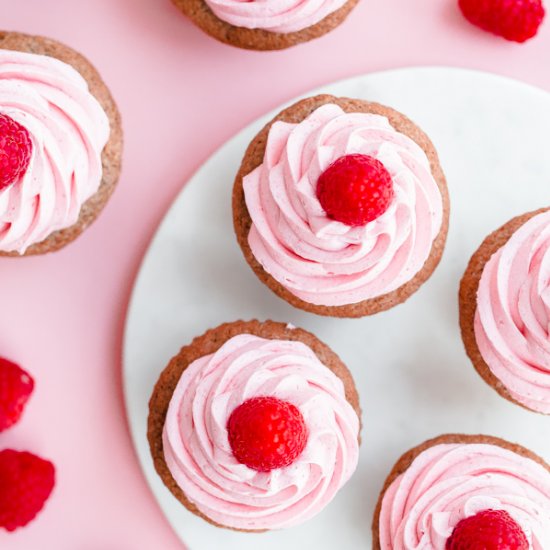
(267, 24)
(341, 207)
(60, 144)
(462, 491)
(255, 426)
(505, 310)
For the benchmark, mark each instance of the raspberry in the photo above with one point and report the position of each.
(516, 20)
(266, 433)
(16, 386)
(488, 530)
(355, 189)
(26, 482)
(15, 151)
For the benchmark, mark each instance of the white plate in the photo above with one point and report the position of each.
(413, 376)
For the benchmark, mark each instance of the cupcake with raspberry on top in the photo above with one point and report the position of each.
(255, 426)
(458, 492)
(341, 207)
(60, 144)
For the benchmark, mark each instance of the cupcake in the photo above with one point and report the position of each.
(60, 144)
(265, 25)
(458, 491)
(255, 426)
(505, 310)
(340, 206)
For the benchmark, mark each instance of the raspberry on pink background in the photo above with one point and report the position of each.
(515, 20)
(16, 387)
(26, 482)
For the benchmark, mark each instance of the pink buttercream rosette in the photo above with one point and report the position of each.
(323, 261)
(281, 16)
(449, 482)
(512, 320)
(68, 128)
(197, 449)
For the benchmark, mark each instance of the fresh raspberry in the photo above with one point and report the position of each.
(355, 189)
(26, 482)
(266, 433)
(15, 151)
(516, 20)
(16, 386)
(488, 530)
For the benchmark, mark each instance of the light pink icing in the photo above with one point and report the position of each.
(68, 129)
(281, 16)
(197, 449)
(448, 483)
(323, 261)
(512, 322)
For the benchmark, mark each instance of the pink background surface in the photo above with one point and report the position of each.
(181, 95)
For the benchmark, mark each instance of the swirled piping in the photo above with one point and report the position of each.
(512, 322)
(450, 482)
(196, 444)
(281, 16)
(68, 129)
(323, 261)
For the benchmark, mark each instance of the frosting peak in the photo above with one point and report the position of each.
(197, 448)
(68, 129)
(323, 261)
(512, 322)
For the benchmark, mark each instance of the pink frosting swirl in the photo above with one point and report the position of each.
(448, 483)
(68, 129)
(197, 449)
(281, 16)
(512, 322)
(323, 261)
